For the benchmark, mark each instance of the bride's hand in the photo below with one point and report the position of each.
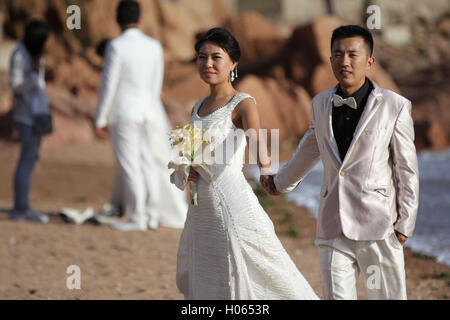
(269, 185)
(193, 175)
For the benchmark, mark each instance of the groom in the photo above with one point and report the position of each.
(129, 108)
(364, 136)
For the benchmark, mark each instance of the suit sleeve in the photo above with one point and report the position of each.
(305, 157)
(110, 79)
(159, 74)
(406, 171)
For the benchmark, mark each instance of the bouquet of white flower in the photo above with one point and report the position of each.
(189, 141)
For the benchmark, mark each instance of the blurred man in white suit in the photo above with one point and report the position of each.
(130, 109)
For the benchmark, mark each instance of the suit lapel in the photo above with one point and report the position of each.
(332, 142)
(371, 107)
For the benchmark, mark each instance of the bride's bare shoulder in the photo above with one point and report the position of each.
(246, 105)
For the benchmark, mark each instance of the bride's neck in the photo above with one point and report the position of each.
(221, 90)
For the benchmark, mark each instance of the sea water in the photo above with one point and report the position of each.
(432, 231)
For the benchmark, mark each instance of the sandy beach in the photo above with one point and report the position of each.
(132, 265)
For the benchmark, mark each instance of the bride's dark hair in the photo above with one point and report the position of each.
(224, 39)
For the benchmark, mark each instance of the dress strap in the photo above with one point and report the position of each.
(238, 98)
(197, 106)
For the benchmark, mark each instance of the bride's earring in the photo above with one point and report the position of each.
(233, 74)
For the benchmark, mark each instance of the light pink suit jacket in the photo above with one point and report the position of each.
(375, 188)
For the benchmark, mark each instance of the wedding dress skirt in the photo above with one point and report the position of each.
(171, 206)
(228, 248)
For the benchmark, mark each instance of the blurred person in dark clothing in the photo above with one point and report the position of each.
(27, 82)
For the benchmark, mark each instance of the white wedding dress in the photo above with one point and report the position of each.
(228, 248)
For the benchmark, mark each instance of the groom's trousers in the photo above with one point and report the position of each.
(134, 153)
(381, 263)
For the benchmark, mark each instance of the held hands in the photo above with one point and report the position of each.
(401, 237)
(269, 185)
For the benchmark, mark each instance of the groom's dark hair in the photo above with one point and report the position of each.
(128, 11)
(351, 31)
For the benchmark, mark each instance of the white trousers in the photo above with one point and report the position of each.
(381, 263)
(136, 168)
(117, 191)
(142, 183)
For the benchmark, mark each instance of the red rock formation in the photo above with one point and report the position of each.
(429, 92)
(309, 47)
(182, 88)
(281, 73)
(257, 37)
(282, 105)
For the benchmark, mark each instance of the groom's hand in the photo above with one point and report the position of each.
(268, 184)
(401, 237)
(263, 180)
(273, 187)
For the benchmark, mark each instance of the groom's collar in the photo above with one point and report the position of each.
(132, 30)
(359, 95)
(376, 89)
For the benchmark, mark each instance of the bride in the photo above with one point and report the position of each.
(228, 248)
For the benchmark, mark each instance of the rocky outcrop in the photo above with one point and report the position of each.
(282, 105)
(257, 37)
(306, 57)
(429, 92)
(282, 71)
(174, 24)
